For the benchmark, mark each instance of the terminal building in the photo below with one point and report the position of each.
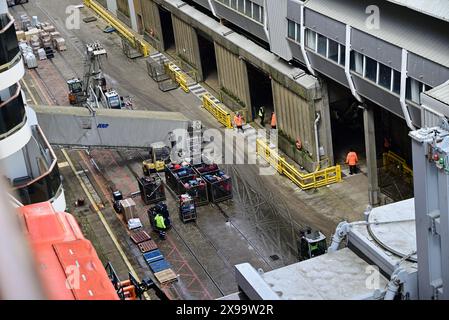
(356, 68)
(28, 162)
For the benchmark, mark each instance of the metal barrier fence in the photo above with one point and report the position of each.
(392, 159)
(177, 75)
(136, 43)
(306, 181)
(217, 111)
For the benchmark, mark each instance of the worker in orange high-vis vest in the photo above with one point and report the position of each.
(238, 122)
(352, 160)
(273, 120)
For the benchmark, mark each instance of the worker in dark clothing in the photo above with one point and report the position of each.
(262, 116)
(352, 160)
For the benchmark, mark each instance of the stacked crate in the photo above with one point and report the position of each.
(45, 39)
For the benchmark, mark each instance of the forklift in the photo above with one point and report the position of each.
(159, 154)
(311, 244)
(77, 95)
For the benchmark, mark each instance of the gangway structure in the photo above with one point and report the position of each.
(107, 128)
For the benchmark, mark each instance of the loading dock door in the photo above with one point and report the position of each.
(261, 93)
(168, 35)
(208, 60)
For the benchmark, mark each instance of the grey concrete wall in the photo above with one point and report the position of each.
(109, 128)
(233, 75)
(152, 23)
(187, 44)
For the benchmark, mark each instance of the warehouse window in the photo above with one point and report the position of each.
(248, 8)
(342, 53)
(257, 12)
(396, 82)
(294, 31)
(371, 69)
(414, 89)
(322, 45)
(291, 30)
(241, 6)
(333, 50)
(311, 39)
(298, 33)
(356, 62)
(385, 76)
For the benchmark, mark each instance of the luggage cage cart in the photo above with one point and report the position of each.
(177, 184)
(218, 191)
(152, 189)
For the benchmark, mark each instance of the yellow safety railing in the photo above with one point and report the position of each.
(391, 158)
(138, 44)
(306, 181)
(217, 111)
(177, 75)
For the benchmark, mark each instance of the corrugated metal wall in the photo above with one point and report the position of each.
(151, 21)
(123, 7)
(186, 42)
(295, 116)
(123, 12)
(112, 6)
(232, 74)
(103, 3)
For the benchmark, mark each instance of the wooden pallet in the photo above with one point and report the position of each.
(147, 246)
(139, 237)
(166, 276)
